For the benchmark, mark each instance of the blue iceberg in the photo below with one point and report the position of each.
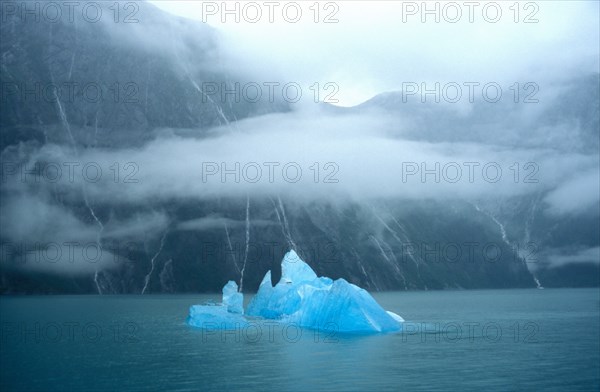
(233, 300)
(302, 298)
(227, 315)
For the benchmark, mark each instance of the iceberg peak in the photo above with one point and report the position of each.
(294, 270)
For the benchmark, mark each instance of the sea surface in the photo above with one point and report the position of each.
(494, 340)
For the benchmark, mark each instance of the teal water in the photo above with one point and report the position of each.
(469, 340)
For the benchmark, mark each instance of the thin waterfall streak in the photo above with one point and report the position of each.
(497, 222)
(507, 241)
(163, 282)
(401, 227)
(98, 236)
(391, 252)
(199, 89)
(218, 107)
(286, 224)
(63, 117)
(530, 221)
(93, 214)
(96, 282)
(385, 256)
(247, 242)
(62, 114)
(147, 278)
(71, 66)
(287, 238)
(362, 268)
(395, 235)
(237, 267)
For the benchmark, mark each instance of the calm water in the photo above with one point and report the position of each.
(496, 339)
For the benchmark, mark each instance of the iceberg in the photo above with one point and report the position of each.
(302, 298)
(227, 315)
(233, 300)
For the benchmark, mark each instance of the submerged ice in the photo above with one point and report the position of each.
(302, 298)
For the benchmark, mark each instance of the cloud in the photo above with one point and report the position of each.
(579, 194)
(42, 237)
(315, 155)
(68, 260)
(138, 226)
(589, 255)
(39, 235)
(28, 218)
(217, 222)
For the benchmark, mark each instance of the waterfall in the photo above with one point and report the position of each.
(147, 279)
(285, 228)
(96, 282)
(508, 242)
(231, 248)
(247, 243)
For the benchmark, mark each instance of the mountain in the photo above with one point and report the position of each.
(79, 89)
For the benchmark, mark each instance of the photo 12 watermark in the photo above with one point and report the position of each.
(270, 252)
(55, 332)
(489, 172)
(70, 92)
(466, 332)
(489, 12)
(465, 252)
(70, 11)
(520, 331)
(74, 253)
(269, 91)
(252, 12)
(269, 172)
(69, 172)
(469, 92)
(267, 332)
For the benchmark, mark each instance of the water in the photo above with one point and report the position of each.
(508, 340)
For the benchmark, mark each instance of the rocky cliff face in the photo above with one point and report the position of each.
(77, 89)
(112, 84)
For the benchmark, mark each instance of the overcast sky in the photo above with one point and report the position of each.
(375, 46)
